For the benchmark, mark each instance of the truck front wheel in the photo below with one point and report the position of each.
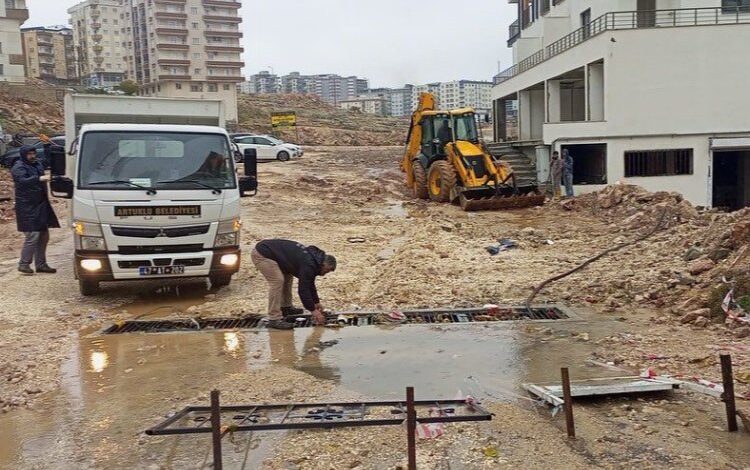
(88, 287)
(217, 282)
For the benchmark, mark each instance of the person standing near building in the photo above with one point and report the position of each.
(567, 164)
(34, 213)
(556, 169)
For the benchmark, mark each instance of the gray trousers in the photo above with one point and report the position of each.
(568, 179)
(34, 248)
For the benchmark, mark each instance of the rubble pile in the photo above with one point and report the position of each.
(31, 115)
(318, 123)
(632, 207)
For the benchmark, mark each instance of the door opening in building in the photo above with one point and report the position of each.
(589, 163)
(731, 179)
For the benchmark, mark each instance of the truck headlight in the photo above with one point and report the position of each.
(89, 236)
(92, 244)
(228, 233)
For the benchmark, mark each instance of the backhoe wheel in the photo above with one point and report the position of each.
(420, 182)
(440, 180)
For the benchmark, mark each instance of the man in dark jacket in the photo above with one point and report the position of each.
(34, 214)
(280, 261)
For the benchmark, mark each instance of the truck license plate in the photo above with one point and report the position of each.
(160, 270)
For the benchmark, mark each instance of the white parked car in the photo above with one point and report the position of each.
(268, 147)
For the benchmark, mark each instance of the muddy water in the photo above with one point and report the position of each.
(114, 386)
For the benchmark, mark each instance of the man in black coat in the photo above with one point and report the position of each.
(280, 261)
(34, 214)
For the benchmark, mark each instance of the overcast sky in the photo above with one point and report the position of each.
(390, 42)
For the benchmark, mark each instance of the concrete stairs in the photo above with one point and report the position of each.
(524, 168)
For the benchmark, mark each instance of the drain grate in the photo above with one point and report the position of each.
(358, 318)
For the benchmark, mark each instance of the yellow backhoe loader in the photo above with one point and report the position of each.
(445, 161)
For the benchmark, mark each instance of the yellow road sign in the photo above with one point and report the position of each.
(284, 119)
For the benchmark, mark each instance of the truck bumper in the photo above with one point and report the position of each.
(119, 267)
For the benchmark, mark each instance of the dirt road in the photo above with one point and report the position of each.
(72, 398)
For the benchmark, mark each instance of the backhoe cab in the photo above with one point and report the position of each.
(445, 161)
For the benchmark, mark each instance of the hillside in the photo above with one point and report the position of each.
(319, 123)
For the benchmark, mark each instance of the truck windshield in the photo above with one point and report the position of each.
(129, 160)
(466, 128)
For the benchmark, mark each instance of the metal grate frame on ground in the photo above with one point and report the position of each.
(539, 313)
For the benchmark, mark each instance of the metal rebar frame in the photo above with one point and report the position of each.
(243, 418)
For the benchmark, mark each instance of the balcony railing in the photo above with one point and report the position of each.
(631, 20)
(514, 31)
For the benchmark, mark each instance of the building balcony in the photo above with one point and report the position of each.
(173, 61)
(98, 49)
(164, 2)
(225, 78)
(222, 3)
(172, 31)
(623, 20)
(95, 13)
(222, 19)
(96, 25)
(165, 46)
(216, 48)
(170, 15)
(514, 32)
(18, 14)
(174, 77)
(225, 63)
(96, 37)
(223, 34)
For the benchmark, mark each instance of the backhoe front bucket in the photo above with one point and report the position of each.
(502, 199)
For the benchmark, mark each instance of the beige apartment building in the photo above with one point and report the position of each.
(185, 49)
(13, 13)
(50, 55)
(97, 36)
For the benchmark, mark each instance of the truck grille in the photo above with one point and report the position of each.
(150, 250)
(172, 232)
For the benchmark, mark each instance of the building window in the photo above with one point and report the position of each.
(195, 25)
(196, 88)
(212, 87)
(194, 10)
(197, 71)
(178, 86)
(196, 55)
(226, 87)
(659, 162)
(734, 6)
(196, 40)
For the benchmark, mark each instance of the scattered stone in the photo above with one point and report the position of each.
(700, 266)
(695, 314)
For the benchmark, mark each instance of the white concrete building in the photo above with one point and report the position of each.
(368, 104)
(649, 92)
(13, 13)
(467, 94)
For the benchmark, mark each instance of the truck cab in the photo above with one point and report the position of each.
(154, 201)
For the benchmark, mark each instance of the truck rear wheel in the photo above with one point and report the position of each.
(420, 181)
(88, 287)
(440, 181)
(217, 282)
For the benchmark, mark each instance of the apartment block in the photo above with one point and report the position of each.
(467, 94)
(263, 82)
(13, 13)
(50, 55)
(185, 48)
(645, 92)
(368, 104)
(97, 39)
(296, 83)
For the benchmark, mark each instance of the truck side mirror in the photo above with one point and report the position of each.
(61, 186)
(57, 160)
(248, 184)
(251, 162)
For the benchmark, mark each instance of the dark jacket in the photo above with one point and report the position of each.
(567, 164)
(298, 260)
(33, 210)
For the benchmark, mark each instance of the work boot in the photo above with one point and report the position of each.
(279, 325)
(291, 312)
(25, 269)
(46, 269)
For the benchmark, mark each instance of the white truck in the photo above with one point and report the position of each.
(154, 189)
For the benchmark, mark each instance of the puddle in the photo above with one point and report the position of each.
(176, 297)
(115, 386)
(395, 209)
